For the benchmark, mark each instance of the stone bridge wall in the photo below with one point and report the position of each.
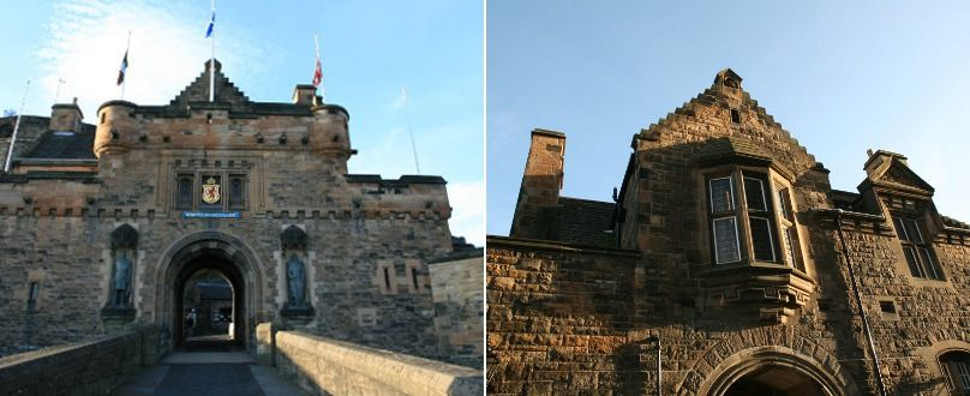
(95, 367)
(324, 366)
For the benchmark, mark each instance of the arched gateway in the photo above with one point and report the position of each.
(775, 371)
(219, 252)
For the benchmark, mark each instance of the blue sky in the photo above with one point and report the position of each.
(842, 77)
(369, 50)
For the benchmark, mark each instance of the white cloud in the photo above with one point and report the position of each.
(168, 50)
(468, 218)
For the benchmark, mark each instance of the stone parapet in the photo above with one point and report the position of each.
(325, 366)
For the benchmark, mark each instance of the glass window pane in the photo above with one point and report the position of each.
(900, 230)
(913, 231)
(722, 195)
(929, 267)
(914, 267)
(755, 193)
(185, 193)
(784, 200)
(791, 249)
(761, 239)
(726, 240)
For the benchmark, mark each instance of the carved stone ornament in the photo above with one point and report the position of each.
(210, 192)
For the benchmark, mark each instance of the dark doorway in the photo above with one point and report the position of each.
(209, 305)
(775, 380)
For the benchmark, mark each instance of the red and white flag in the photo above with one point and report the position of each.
(318, 74)
(318, 71)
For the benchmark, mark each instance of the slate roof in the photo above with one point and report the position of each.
(721, 148)
(64, 145)
(583, 222)
(951, 222)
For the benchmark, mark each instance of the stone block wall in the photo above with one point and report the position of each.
(457, 292)
(558, 319)
(95, 367)
(324, 366)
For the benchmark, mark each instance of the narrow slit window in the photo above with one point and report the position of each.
(414, 278)
(32, 292)
(735, 116)
(387, 278)
(184, 193)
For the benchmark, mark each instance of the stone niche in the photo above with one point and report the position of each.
(298, 307)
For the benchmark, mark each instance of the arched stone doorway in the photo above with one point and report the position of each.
(199, 300)
(773, 380)
(775, 371)
(216, 252)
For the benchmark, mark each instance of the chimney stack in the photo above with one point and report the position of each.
(305, 94)
(66, 117)
(541, 183)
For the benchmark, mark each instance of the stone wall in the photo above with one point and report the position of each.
(95, 367)
(558, 319)
(457, 292)
(324, 366)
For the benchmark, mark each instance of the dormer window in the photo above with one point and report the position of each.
(916, 249)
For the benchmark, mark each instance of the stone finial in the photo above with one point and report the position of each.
(728, 78)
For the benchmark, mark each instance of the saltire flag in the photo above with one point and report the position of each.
(123, 69)
(212, 25)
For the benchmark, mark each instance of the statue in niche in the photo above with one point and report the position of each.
(296, 280)
(122, 280)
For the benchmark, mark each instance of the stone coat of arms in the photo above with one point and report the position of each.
(210, 191)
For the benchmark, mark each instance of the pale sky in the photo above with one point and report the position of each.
(369, 50)
(841, 77)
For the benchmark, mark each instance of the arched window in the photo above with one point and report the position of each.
(956, 368)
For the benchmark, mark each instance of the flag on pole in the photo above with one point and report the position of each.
(212, 24)
(318, 71)
(123, 69)
(317, 74)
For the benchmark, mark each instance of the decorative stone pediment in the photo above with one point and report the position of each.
(900, 175)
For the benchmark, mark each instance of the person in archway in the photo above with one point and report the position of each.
(190, 319)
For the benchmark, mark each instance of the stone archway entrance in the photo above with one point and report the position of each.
(214, 253)
(775, 381)
(776, 371)
(210, 295)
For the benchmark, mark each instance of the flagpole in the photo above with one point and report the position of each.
(212, 60)
(16, 127)
(407, 113)
(125, 81)
(57, 94)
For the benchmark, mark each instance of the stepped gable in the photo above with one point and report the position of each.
(198, 90)
(726, 93)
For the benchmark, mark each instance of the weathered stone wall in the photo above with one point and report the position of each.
(323, 366)
(930, 315)
(459, 304)
(558, 319)
(94, 367)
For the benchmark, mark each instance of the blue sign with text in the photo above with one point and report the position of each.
(210, 215)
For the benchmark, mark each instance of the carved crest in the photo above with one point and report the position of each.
(210, 191)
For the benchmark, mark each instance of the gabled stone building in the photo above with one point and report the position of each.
(727, 265)
(102, 225)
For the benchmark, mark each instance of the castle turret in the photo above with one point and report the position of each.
(116, 129)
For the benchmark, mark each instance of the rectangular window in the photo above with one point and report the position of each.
(916, 251)
(414, 278)
(722, 195)
(754, 191)
(387, 278)
(184, 191)
(761, 239)
(726, 248)
(784, 204)
(237, 192)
